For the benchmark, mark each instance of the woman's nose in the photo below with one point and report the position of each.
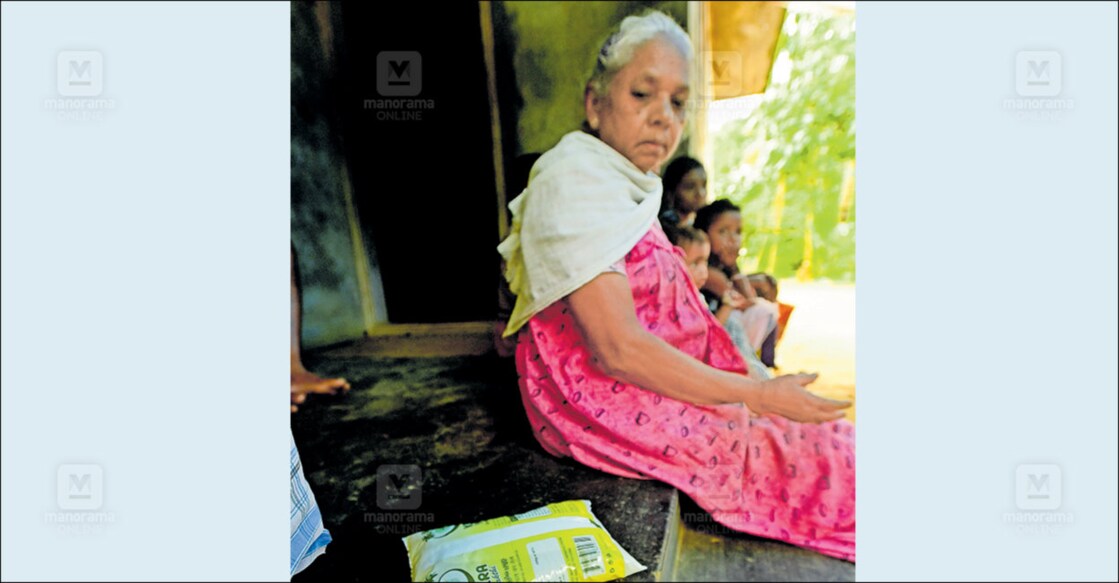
(662, 111)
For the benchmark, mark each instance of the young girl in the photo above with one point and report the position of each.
(697, 248)
(684, 193)
(722, 221)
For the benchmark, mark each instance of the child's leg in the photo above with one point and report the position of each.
(769, 348)
(737, 335)
(759, 320)
(304, 381)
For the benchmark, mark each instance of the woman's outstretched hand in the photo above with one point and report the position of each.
(786, 396)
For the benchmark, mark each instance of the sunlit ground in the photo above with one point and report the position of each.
(820, 336)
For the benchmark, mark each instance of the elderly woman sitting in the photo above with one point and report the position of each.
(621, 364)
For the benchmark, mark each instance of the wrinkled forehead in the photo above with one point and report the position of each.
(659, 63)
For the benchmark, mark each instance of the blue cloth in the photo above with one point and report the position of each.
(733, 327)
(308, 536)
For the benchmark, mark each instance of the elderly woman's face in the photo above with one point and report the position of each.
(642, 114)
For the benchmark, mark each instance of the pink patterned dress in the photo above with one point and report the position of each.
(765, 476)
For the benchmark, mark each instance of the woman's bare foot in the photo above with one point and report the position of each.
(305, 382)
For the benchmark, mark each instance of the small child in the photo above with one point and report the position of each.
(765, 285)
(697, 249)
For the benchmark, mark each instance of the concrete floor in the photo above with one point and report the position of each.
(708, 551)
(460, 419)
(457, 423)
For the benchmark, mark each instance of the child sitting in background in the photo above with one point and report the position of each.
(697, 249)
(684, 192)
(766, 287)
(722, 221)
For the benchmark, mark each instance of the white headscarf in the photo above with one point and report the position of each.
(585, 207)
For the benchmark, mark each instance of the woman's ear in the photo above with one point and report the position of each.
(591, 104)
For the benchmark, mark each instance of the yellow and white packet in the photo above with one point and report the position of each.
(562, 541)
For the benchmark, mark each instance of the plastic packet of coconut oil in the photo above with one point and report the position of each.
(562, 541)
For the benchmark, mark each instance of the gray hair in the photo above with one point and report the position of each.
(618, 50)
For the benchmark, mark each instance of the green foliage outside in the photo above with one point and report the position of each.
(802, 135)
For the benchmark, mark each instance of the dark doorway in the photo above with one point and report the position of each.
(420, 152)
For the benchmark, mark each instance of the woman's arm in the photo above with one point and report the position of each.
(604, 312)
